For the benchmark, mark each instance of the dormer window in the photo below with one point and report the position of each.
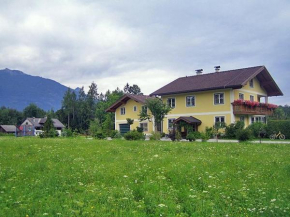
(252, 83)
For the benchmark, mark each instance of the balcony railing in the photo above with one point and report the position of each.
(246, 110)
(254, 108)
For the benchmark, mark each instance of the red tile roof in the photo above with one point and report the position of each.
(221, 80)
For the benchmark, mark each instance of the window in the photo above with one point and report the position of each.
(134, 108)
(144, 126)
(241, 96)
(171, 102)
(144, 109)
(170, 123)
(219, 98)
(252, 83)
(220, 119)
(190, 101)
(242, 118)
(261, 119)
(123, 111)
(252, 98)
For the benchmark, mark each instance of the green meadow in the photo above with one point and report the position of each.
(88, 177)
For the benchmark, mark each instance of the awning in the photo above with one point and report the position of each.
(187, 119)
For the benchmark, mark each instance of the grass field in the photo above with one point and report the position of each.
(82, 177)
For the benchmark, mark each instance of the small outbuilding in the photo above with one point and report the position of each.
(9, 129)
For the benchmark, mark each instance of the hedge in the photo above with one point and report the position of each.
(279, 125)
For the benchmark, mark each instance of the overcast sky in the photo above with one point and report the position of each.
(144, 42)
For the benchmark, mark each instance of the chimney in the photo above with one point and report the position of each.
(217, 68)
(199, 71)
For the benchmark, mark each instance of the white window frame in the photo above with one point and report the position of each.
(220, 117)
(241, 96)
(251, 83)
(219, 94)
(134, 108)
(145, 129)
(252, 96)
(168, 124)
(169, 102)
(192, 96)
(260, 119)
(123, 110)
(242, 118)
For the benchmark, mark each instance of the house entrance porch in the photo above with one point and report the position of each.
(186, 125)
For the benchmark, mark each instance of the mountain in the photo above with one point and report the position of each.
(18, 90)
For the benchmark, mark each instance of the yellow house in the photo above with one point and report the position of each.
(223, 96)
(129, 106)
(204, 99)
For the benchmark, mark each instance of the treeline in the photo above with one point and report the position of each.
(281, 113)
(10, 116)
(80, 111)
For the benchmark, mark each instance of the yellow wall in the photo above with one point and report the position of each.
(121, 119)
(255, 91)
(204, 109)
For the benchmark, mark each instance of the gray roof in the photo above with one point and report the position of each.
(8, 128)
(39, 122)
(57, 123)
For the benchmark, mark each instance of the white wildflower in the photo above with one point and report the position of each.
(161, 205)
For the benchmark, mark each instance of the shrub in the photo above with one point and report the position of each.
(197, 135)
(100, 135)
(244, 134)
(75, 133)
(279, 125)
(204, 136)
(50, 134)
(115, 134)
(171, 134)
(163, 134)
(155, 136)
(67, 132)
(134, 135)
(231, 130)
(209, 131)
(139, 129)
(256, 128)
(118, 135)
(190, 137)
(177, 136)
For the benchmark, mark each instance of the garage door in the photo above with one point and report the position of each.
(124, 128)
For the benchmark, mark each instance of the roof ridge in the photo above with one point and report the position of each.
(210, 73)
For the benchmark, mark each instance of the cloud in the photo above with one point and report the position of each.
(148, 43)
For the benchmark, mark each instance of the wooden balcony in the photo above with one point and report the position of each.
(248, 110)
